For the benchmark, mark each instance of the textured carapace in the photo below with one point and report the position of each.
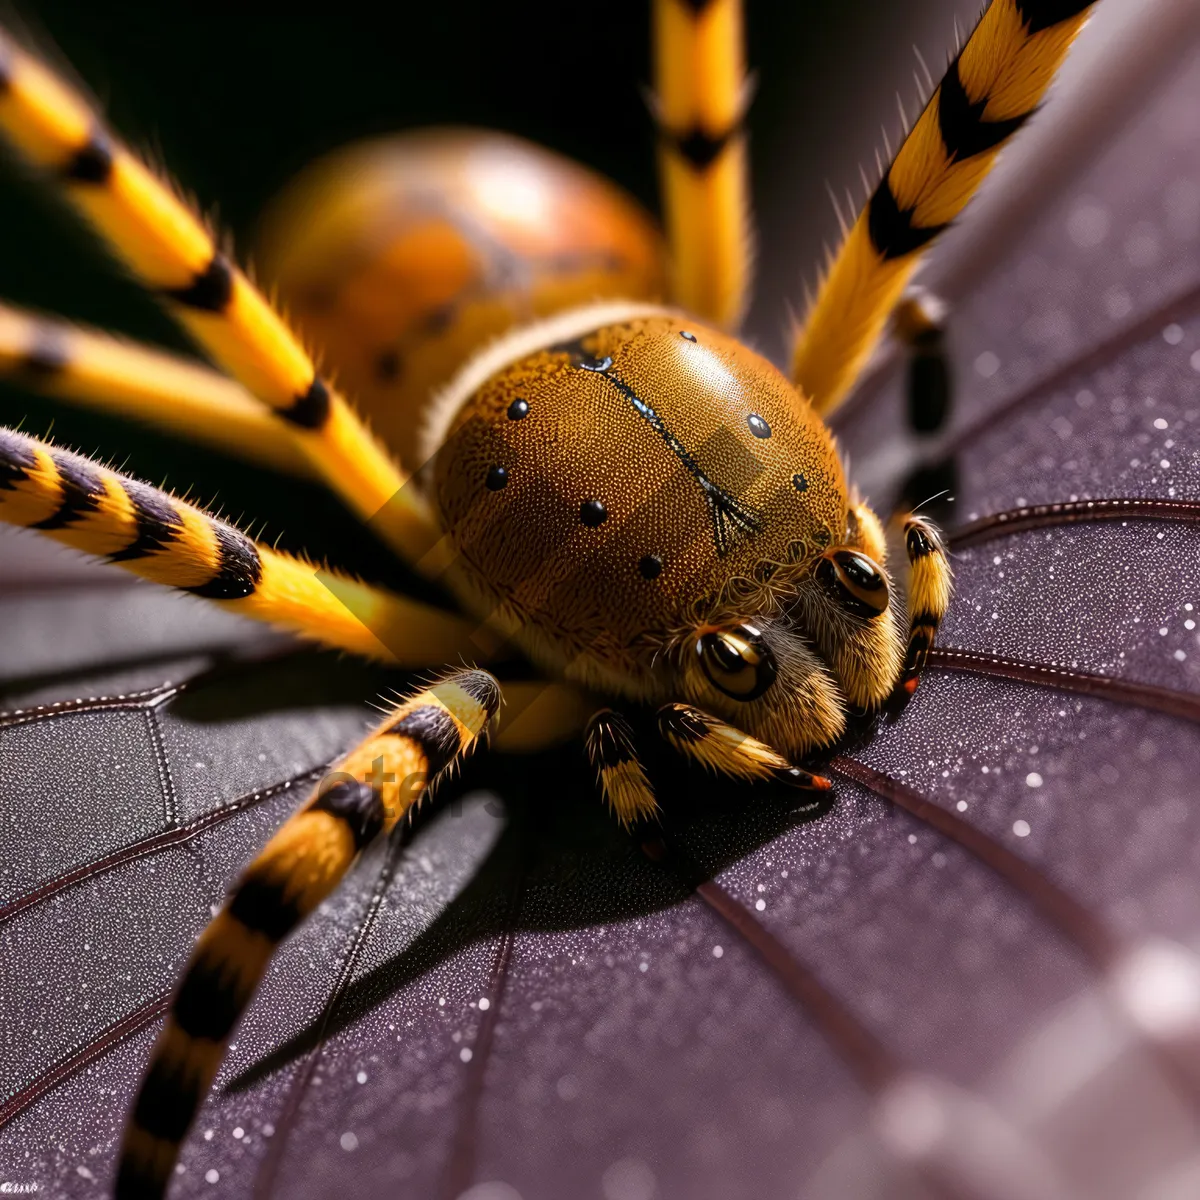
(620, 481)
(399, 257)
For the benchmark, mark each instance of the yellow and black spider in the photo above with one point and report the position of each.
(573, 446)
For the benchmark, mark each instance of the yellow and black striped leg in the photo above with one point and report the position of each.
(98, 371)
(919, 324)
(725, 750)
(160, 537)
(700, 102)
(170, 251)
(623, 783)
(991, 88)
(363, 799)
(930, 584)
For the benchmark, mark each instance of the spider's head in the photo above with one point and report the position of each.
(789, 670)
(646, 506)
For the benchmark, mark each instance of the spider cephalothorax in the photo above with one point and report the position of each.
(636, 502)
(622, 482)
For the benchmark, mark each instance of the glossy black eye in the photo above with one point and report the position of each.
(737, 661)
(854, 581)
(758, 426)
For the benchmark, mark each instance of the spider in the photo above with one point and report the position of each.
(615, 491)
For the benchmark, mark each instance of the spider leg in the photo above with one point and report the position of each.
(373, 787)
(930, 582)
(989, 90)
(97, 370)
(918, 323)
(623, 783)
(700, 101)
(162, 538)
(170, 251)
(919, 326)
(725, 750)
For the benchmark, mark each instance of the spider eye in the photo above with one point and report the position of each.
(854, 581)
(737, 661)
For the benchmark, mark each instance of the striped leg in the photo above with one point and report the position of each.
(168, 249)
(373, 787)
(700, 78)
(622, 779)
(97, 370)
(990, 89)
(930, 583)
(725, 750)
(918, 324)
(161, 538)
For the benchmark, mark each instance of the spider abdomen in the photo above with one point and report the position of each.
(402, 255)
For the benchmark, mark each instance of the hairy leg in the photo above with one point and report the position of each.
(162, 538)
(930, 583)
(372, 788)
(106, 373)
(990, 89)
(622, 778)
(170, 250)
(701, 92)
(725, 750)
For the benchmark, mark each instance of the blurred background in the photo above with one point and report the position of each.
(234, 100)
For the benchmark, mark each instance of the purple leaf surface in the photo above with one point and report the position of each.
(514, 1003)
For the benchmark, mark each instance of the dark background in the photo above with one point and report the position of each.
(234, 100)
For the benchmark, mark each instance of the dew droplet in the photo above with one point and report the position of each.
(987, 364)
